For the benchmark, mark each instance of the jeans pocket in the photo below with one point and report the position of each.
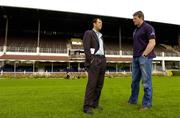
(145, 57)
(143, 60)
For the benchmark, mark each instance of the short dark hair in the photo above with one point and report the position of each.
(140, 14)
(95, 20)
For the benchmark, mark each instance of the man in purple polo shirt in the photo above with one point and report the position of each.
(143, 53)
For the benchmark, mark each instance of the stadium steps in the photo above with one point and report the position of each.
(168, 47)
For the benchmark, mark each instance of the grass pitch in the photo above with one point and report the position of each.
(57, 98)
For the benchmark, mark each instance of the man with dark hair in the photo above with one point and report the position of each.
(140, 14)
(143, 53)
(95, 63)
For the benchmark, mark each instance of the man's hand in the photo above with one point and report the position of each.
(150, 47)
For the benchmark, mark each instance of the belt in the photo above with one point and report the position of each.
(102, 56)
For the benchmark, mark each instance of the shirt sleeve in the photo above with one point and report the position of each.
(151, 33)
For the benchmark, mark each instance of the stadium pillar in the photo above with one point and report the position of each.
(120, 37)
(154, 67)
(2, 64)
(6, 34)
(14, 66)
(68, 66)
(79, 67)
(120, 52)
(33, 66)
(130, 67)
(1, 67)
(39, 32)
(52, 67)
(179, 38)
(116, 67)
(163, 63)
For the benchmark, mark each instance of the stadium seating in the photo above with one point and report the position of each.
(27, 44)
(127, 49)
(112, 48)
(1, 43)
(59, 45)
(177, 48)
(168, 50)
(76, 46)
(53, 45)
(21, 44)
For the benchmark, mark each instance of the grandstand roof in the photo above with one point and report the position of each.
(158, 11)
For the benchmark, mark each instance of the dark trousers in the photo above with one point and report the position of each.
(96, 72)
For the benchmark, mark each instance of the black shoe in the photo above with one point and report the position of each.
(88, 111)
(98, 108)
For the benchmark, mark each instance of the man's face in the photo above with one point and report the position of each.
(137, 21)
(98, 24)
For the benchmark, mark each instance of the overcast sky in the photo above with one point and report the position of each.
(167, 11)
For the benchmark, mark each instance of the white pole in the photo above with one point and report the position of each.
(39, 33)
(6, 34)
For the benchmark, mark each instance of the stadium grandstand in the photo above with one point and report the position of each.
(38, 40)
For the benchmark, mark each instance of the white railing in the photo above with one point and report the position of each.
(21, 49)
(168, 54)
(53, 50)
(111, 52)
(65, 51)
(33, 49)
(127, 53)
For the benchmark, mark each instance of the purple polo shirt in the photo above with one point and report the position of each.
(141, 36)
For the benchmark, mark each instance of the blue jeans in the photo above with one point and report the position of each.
(141, 68)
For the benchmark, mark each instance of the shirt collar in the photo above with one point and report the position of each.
(97, 32)
(141, 25)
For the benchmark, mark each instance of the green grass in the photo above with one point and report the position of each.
(56, 98)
